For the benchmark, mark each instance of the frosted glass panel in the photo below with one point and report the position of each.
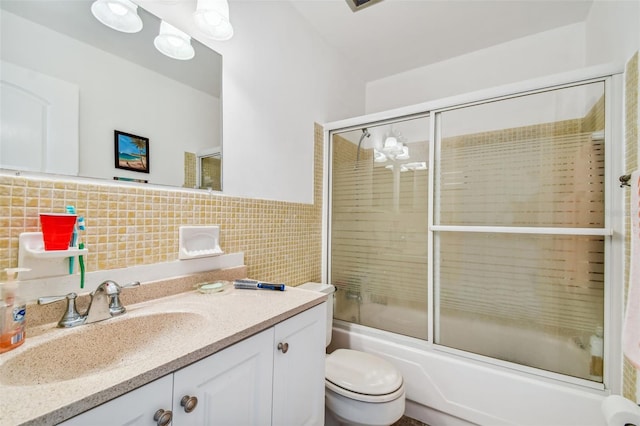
(535, 160)
(530, 161)
(379, 226)
(531, 299)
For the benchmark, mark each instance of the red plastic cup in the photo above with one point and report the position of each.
(57, 230)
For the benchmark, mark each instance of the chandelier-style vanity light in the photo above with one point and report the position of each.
(212, 18)
(120, 15)
(173, 42)
(392, 149)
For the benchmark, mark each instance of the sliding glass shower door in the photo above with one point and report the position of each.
(505, 248)
(379, 199)
(520, 231)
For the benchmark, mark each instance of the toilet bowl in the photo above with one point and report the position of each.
(360, 388)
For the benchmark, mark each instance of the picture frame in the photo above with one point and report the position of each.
(131, 152)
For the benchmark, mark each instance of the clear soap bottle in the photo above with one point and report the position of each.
(13, 311)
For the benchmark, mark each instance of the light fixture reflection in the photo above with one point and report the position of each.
(174, 43)
(212, 18)
(120, 15)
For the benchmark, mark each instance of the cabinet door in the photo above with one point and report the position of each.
(233, 386)
(134, 408)
(298, 375)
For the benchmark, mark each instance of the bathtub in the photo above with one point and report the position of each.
(449, 387)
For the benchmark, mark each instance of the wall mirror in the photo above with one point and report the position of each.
(68, 83)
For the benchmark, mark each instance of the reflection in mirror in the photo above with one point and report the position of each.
(68, 82)
(209, 169)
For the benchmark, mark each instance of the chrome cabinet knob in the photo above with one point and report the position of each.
(284, 347)
(189, 403)
(163, 417)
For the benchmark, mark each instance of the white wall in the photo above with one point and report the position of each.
(279, 77)
(542, 54)
(611, 34)
(612, 31)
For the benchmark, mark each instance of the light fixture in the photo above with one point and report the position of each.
(212, 18)
(379, 157)
(394, 150)
(404, 154)
(417, 165)
(391, 149)
(174, 43)
(120, 15)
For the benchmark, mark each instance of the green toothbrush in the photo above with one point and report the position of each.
(81, 246)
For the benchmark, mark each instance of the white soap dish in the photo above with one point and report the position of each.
(199, 241)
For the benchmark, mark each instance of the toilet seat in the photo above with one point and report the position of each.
(364, 397)
(362, 376)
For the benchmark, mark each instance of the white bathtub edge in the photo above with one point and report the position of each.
(449, 390)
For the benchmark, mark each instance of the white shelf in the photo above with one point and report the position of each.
(199, 241)
(56, 254)
(44, 263)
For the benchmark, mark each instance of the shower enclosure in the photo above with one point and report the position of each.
(480, 228)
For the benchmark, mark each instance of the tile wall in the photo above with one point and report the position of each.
(632, 142)
(134, 225)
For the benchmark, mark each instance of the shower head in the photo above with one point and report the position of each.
(365, 134)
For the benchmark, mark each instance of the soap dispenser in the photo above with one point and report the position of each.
(13, 311)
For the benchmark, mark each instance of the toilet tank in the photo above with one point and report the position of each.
(326, 289)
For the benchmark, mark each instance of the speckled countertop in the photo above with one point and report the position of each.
(152, 339)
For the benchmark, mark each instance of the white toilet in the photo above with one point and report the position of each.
(360, 388)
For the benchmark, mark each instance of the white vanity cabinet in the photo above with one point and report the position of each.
(232, 387)
(275, 377)
(137, 407)
(298, 369)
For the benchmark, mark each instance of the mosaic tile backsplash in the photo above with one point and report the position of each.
(134, 225)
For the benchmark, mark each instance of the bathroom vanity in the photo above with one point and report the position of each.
(237, 357)
(255, 381)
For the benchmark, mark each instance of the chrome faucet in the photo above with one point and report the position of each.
(105, 303)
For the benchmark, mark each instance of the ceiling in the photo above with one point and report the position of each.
(393, 36)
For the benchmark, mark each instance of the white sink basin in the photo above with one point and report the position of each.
(95, 348)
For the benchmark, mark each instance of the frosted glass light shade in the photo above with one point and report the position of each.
(379, 157)
(393, 148)
(404, 155)
(174, 43)
(390, 142)
(120, 15)
(212, 18)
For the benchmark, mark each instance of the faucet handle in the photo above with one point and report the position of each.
(71, 317)
(50, 299)
(131, 284)
(115, 307)
(109, 287)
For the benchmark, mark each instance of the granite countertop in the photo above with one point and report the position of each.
(190, 325)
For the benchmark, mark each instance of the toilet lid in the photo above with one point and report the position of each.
(362, 373)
